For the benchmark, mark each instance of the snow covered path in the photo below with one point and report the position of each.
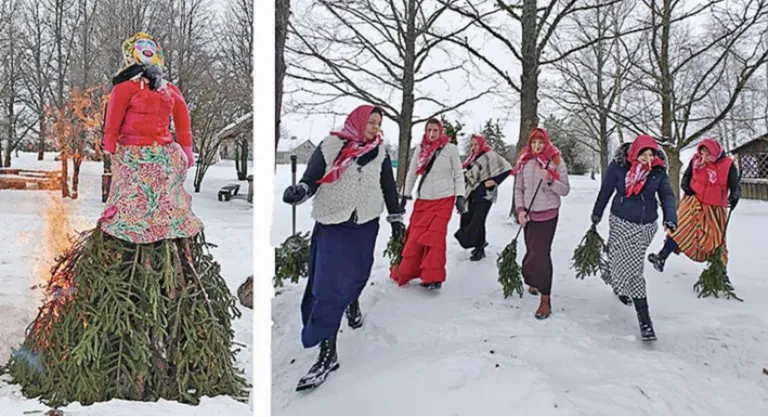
(466, 350)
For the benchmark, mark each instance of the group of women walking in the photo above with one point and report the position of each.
(350, 177)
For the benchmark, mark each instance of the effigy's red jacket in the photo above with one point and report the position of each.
(139, 116)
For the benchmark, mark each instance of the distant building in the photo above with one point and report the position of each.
(752, 160)
(293, 146)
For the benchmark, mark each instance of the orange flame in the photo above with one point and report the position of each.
(55, 235)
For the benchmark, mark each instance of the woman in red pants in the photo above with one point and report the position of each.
(442, 185)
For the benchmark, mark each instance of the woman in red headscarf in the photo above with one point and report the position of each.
(541, 179)
(350, 178)
(637, 175)
(442, 184)
(484, 171)
(702, 213)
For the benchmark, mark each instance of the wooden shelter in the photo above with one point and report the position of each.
(752, 160)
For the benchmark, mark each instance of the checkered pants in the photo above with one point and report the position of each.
(627, 243)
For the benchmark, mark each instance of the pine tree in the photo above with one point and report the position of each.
(495, 138)
(575, 154)
(452, 130)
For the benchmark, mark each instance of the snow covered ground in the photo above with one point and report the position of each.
(25, 255)
(467, 350)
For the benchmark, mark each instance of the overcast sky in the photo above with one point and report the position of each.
(451, 88)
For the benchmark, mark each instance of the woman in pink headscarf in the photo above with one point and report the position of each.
(637, 179)
(484, 171)
(541, 179)
(711, 186)
(438, 165)
(350, 178)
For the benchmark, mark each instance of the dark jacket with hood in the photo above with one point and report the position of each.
(640, 208)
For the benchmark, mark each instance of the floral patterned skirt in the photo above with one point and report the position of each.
(147, 201)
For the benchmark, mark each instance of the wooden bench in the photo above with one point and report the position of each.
(228, 191)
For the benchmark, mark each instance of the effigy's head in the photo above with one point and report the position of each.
(142, 48)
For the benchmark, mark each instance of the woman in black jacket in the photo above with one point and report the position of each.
(637, 175)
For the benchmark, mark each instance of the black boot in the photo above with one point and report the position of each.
(625, 300)
(477, 254)
(354, 315)
(644, 318)
(657, 261)
(432, 285)
(327, 362)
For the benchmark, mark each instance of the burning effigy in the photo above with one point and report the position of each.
(136, 307)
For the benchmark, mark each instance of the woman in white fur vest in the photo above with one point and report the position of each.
(484, 172)
(442, 184)
(350, 177)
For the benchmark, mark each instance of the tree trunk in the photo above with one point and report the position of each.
(76, 161)
(7, 156)
(41, 139)
(666, 101)
(529, 102)
(617, 75)
(406, 109)
(674, 170)
(242, 172)
(282, 14)
(604, 142)
(64, 175)
(1, 152)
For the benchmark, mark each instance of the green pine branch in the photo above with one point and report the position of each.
(510, 276)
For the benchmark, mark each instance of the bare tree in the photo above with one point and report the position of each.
(16, 120)
(684, 68)
(115, 21)
(37, 76)
(591, 80)
(208, 118)
(527, 47)
(377, 52)
(282, 15)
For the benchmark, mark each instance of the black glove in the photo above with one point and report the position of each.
(461, 205)
(688, 190)
(670, 225)
(733, 200)
(296, 194)
(595, 219)
(398, 229)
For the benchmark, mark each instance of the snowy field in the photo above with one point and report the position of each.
(25, 255)
(466, 350)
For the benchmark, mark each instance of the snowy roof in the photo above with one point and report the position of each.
(235, 128)
(289, 144)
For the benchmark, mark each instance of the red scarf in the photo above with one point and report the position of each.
(699, 163)
(428, 148)
(638, 173)
(356, 145)
(482, 148)
(543, 158)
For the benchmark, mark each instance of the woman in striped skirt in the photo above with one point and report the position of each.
(637, 175)
(706, 184)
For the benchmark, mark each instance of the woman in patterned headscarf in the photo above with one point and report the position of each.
(350, 178)
(637, 175)
(711, 186)
(137, 308)
(484, 171)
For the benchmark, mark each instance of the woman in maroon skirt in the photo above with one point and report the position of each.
(539, 166)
